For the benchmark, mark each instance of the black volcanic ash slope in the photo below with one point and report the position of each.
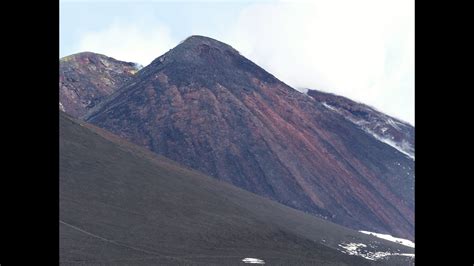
(206, 106)
(122, 205)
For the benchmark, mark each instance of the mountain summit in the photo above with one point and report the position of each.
(206, 61)
(208, 107)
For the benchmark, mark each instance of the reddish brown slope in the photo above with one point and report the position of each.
(206, 106)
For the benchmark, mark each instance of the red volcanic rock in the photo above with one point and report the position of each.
(206, 106)
(85, 78)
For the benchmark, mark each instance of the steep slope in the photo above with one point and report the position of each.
(390, 130)
(206, 106)
(85, 78)
(122, 205)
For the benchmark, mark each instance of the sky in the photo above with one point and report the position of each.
(360, 49)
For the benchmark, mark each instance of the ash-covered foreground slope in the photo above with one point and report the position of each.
(123, 205)
(85, 78)
(206, 106)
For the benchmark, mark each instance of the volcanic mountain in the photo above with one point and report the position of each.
(206, 106)
(121, 204)
(85, 78)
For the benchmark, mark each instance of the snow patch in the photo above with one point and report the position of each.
(355, 249)
(330, 107)
(352, 247)
(61, 107)
(253, 261)
(401, 241)
(401, 148)
(393, 123)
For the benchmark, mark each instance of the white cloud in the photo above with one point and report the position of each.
(136, 42)
(360, 49)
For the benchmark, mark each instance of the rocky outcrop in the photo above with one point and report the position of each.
(85, 78)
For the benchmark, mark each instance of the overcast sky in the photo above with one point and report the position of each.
(360, 49)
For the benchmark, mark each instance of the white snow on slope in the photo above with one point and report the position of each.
(393, 123)
(390, 143)
(253, 261)
(401, 241)
(330, 107)
(352, 247)
(355, 249)
(401, 147)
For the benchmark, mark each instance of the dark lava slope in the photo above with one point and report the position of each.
(85, 78)
(206, 106)
(124, 205)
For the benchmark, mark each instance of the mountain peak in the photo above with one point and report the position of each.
(198, 49)
(196, 40)
(206, 61)
(201, 38)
